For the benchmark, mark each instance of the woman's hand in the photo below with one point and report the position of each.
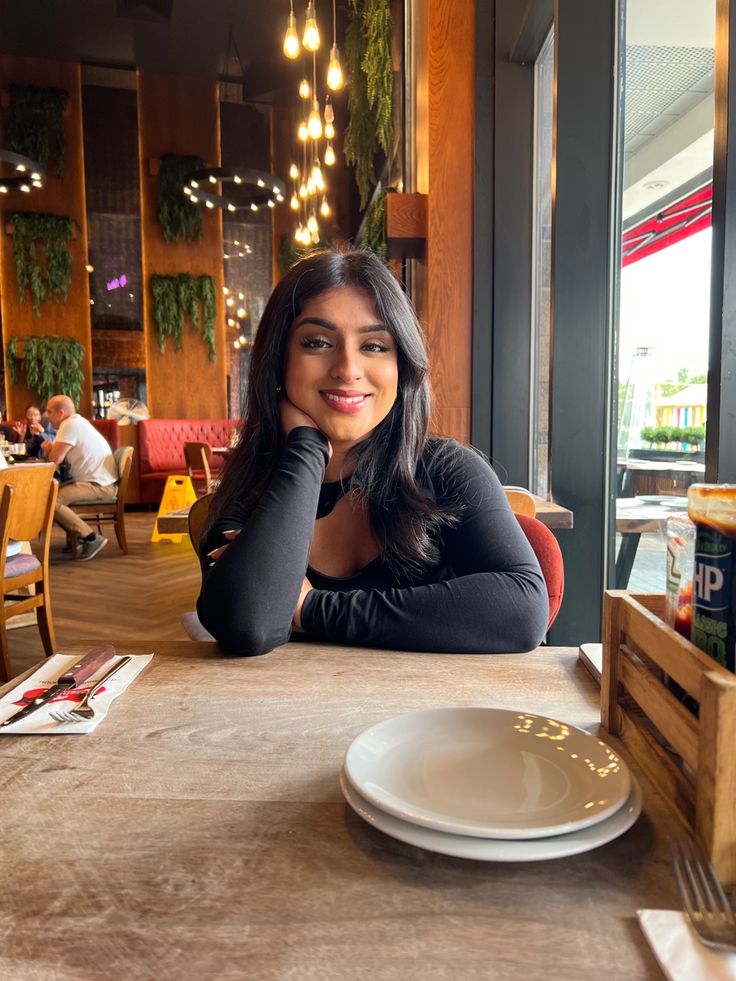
(297, 618)
(292, 417)
(21, 430)
(36, 428)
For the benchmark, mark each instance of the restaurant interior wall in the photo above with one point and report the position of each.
(61, 197)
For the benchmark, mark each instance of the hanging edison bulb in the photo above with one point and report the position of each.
(310, 187)
(324, 207)
(298, 234)
(294, 172)
(303, 191)
(303, 132)
(294, 203)
(317, 177)
(310, 40)
(335, 77)
(329, 155)
(291, 38)
(304, 88)
(329, 131)
(312, 223)
(314, 123)
(315, 238)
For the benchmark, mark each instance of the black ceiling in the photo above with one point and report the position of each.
(191, 37)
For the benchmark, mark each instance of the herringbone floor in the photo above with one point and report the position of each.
(115, 597)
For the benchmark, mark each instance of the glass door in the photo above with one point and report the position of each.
(664, 281)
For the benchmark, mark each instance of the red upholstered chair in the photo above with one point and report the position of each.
(109, 429)
(161, 449)
(549, 557)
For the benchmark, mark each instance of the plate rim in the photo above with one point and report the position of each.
(503, 850)
(456, 825)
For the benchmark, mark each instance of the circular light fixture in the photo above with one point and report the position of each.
(28, 173)
(250, 189)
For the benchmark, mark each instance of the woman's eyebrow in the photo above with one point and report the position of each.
(329, 325)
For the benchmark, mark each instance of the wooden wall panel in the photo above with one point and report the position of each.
(61, 197)
(180, 114)
(444, 144)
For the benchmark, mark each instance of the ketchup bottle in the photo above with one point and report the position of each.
(712, 507)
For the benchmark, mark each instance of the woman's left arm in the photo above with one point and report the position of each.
(495, 602)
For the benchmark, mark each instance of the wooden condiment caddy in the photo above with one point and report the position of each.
(691, 760)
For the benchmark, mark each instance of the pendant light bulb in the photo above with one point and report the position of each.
(335, 77)
(298, 234)
(303, 132)
(315, 238)
(294, 203)
(317, 177)
(304, 89)
(293, 172)
(310, 187)
(324, 208)
(303, 191)
(312, 223)
(329, 155)
(291, 38)
(329, 111)
(314, 124)
(310, 40)
(329, 131)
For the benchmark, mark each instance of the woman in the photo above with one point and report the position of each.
(338, 517)
(34, 430)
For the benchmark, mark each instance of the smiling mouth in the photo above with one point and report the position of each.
(345, 401)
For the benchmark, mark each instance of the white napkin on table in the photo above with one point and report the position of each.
(681, 955)
(40, 721)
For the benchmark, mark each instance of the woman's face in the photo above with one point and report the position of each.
(341, 365)
(33, 415)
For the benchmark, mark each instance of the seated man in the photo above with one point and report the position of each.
(93, 473)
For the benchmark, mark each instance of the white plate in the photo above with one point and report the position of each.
(490, 773)
(498, 849)
(660, 499)
(675, 504)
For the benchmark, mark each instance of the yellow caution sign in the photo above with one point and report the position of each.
(178, 496)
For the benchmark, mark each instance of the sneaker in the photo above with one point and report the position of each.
(90, 549)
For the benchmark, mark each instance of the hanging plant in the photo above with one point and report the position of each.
(35, 123)
(374, 224)
(50, 280)
(52, 365)
(178, 217)
(178, 297)
(368, 57)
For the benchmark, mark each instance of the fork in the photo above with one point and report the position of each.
(84, 710)
(703, 897)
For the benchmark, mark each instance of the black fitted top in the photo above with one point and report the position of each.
(486, 594)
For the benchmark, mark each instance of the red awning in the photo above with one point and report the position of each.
(685, 217)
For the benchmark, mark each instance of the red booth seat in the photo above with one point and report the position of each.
(161, 449)
(109, 429)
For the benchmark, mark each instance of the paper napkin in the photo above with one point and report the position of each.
(40, 721)
(681, 955)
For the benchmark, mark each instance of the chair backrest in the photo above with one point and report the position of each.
(521, 500)
(110, 430)
(197, 457)
(198, 513)
(550, 560)
(33, 497)
(124, 463)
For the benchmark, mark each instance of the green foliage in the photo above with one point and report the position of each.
(34, 121)
(178, 217)
(49, 281)
(52, 365)
(290, 252)
(370, 93)
(178, 297)
(692, 435)
(684, 378)
(374, 228)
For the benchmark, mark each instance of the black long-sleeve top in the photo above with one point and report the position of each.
(485, 595)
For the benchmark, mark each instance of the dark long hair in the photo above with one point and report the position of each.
(404, 521)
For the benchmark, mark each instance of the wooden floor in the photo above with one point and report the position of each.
(115, 597)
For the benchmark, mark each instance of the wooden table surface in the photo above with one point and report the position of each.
(200, 832)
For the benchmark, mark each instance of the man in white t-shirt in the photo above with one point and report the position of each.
(92, 469)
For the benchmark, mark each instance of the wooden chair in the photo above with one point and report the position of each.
(27, 501)
(111, 509)
(197, 458)
(197, 519)
(521, 501)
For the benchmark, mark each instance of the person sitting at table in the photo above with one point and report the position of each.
(34, 430)
(338, 516)
(92, 469)
(8, 432)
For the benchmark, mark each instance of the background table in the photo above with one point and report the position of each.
(201, 832)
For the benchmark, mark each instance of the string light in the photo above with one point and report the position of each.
(319, 182)
(324, 208)
(329, 155)
(294, 203)
(303, 132)
(335, 77)
(329, 131)
(291, 38)
(294, 172)
(310, 40)
(314, 123)
(312, 223)
(304, 89)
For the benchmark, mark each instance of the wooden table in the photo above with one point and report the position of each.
(633, 518)
(200, 832)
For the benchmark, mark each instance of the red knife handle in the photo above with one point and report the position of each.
(90, 664)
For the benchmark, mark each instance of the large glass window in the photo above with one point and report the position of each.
(664, 298)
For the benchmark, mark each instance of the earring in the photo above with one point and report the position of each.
(278, 388)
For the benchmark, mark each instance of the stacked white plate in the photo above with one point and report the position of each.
(489, 784)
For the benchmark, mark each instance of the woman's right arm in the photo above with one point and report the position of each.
(249, 594)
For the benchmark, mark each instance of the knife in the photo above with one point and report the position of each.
(73, 677)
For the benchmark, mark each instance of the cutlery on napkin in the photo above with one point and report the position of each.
(679, 953)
